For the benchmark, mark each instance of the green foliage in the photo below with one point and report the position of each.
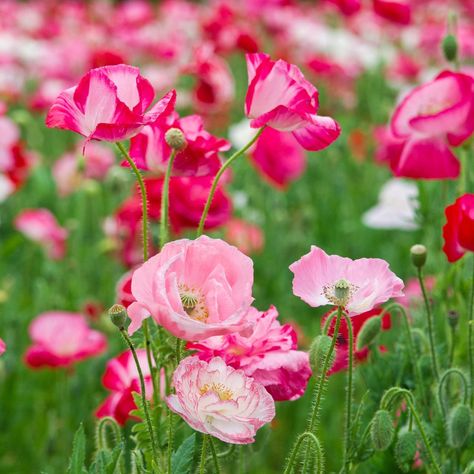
(182, 459)
(78, 456)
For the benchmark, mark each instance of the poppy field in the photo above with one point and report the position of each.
(236, 237)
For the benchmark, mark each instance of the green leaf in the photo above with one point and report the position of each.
(182, 459)
(78, 456)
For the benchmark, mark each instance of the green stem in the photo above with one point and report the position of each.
(165, 201)
(471, 337)
(218, 176)
(294, 453)
(170, 438)
(347, 441)
(217, 468)
(202, 464)
(178, 351)
(429, 315)
(153, 368)
(453, 345)
(444, 378)
(142, 387)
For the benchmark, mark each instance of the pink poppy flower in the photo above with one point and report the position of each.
(219, 400)
(3, 346)
(268, 354)
(279, 96)
(279, 168)
(61, 339)
(458, 232)
(248, 238)
(370, 281)
(150, 151)
(342, 345)
(431, 119)
(41, 226)
(123, 290)
(109, 103)
(347, 7)
(121, 379)
(397, 11)
(194, 288)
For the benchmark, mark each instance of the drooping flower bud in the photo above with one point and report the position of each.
(450, 47)
(405, 450)
(118, 315)
(381, 430)
(368, 332)
(418, 255)
(175, 138)
(459, 425)
(318, 353)
(453, 318)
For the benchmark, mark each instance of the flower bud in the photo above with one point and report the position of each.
(318, 353)
(174, 137)
(118, 315)
(459, 425)
(369, 331)
(453, 318)
(450, 47)
(381, 430)
(418, 255)
(405, 450)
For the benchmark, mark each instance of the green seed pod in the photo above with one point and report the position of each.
(450, 47)
(175, 138)
(459, 425)
(318, 352)
(381, 430)
(369, 331)
(118, 315)
(405, 450)
(469, 468)
(418, 255)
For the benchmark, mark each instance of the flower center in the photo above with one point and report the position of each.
(340, 293)
(433, 108)
(194, 303)
(220, 389)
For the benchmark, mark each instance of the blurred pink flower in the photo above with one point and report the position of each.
(268, 354)
(370, 281)
(279, 96)
(279, 168)
(60, 339)
(216, 399)
(150, 151)
(194, 288)
(248, 238)
(397, 11)
(109, 103)
(3, 346)
(121, 378)
(123, 290)
(413, 296)
(430, 119)
(41, 226)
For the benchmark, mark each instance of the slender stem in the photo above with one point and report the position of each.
(153, 368)
(218, 176)
(294, 453)
(471, 336)
(347, 441)
(170, 438)
(217, 468)
(202, 465)
(444, 378)
(453, 345)
(178, 351)
(165, 196)
(434, 361)
(142, 387)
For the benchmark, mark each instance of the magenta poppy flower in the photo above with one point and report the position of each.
(61, 339)
(268, 354)
(279, 96)
(369, 280)
(150, 151)
(41, 226)
(109, 103)
(123, 290)
(396, 11)
(3, 346)
(458, 232)
(430, 120)
(219, 400)
(194, 288)
(121, 379)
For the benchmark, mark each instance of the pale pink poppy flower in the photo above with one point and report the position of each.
(41, 226)
(219, 400)
(370, 281)
(61, 338)
(121, 379)
(279, 96)
(194, 288)
(247, 237)
(109, 103)
(3, 346)
(268, 354)
(429, 120)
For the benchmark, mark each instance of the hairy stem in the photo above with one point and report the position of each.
(165, 201)
(312, 440)
(347, 440)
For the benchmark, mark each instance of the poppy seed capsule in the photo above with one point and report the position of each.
(381, 430)
(459, 425)
(118, 315)
(174, 137)
(342, 291)
(369, 331)
(418, 255)
(318, 352)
